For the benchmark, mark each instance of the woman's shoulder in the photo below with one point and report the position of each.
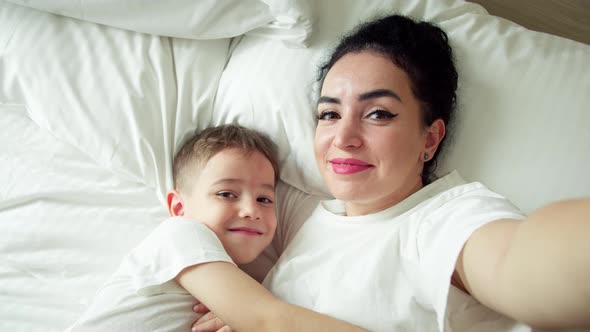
(453, 192)
(453, 214)
(457, 208)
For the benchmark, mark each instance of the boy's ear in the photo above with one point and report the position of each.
(175, 204)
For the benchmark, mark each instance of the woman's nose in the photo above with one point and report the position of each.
(348, 134)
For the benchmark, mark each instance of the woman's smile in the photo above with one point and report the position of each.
(349, 165)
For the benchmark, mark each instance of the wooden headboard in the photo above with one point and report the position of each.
(566, 18)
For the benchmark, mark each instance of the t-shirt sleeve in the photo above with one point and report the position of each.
(174, 245)
(446, 228)
(294, 207)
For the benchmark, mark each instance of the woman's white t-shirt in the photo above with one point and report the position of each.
(387, 271)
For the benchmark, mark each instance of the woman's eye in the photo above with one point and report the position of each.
(265, 200)
(226, 194)
(381, 115)
(328, 115)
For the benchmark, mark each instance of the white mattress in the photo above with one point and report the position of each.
(91, 115)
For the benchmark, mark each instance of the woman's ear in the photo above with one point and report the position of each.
(434, 135)
(175, 204)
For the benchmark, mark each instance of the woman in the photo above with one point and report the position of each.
(384, 254)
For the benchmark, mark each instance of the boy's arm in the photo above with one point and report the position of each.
(245, 305)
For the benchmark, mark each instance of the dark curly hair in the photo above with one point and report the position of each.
(422, 50)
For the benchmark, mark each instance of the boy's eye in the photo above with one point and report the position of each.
(226, 194)
(328, 115)
(381, 115)
(265, 200)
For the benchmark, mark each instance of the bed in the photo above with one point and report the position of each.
(96, 96)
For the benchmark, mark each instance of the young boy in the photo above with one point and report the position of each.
(224, 180)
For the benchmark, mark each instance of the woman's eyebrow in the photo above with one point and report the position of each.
(328, 100)
(365, 96)
(378, 94)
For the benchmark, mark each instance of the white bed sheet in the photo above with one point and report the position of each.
(64, 223)
(90, 116)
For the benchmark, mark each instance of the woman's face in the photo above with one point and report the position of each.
(370, 140)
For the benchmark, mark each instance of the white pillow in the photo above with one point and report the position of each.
(522, 100)
(292, 23)
(270, 87)
(523, 111)
(124, 98)
(195, 19)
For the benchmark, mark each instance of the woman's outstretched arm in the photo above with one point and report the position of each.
(246, 305)
(537, 270)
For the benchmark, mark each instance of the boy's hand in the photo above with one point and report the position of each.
(208, 322)
(200, 308)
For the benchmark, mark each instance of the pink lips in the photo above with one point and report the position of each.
(245, 231)
(349, 165)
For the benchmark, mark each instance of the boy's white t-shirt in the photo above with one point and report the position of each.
(142, 294)
(387, 271)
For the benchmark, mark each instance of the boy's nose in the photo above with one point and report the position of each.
(249, 210)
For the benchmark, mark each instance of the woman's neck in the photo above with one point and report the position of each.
(361, 208)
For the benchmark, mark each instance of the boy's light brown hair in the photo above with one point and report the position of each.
(201, 147)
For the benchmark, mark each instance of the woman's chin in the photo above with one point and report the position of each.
(349, 192)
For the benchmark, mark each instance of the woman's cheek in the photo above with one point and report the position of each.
(322, 138)
(317, 142)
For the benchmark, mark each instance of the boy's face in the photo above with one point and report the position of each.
(234, 196)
